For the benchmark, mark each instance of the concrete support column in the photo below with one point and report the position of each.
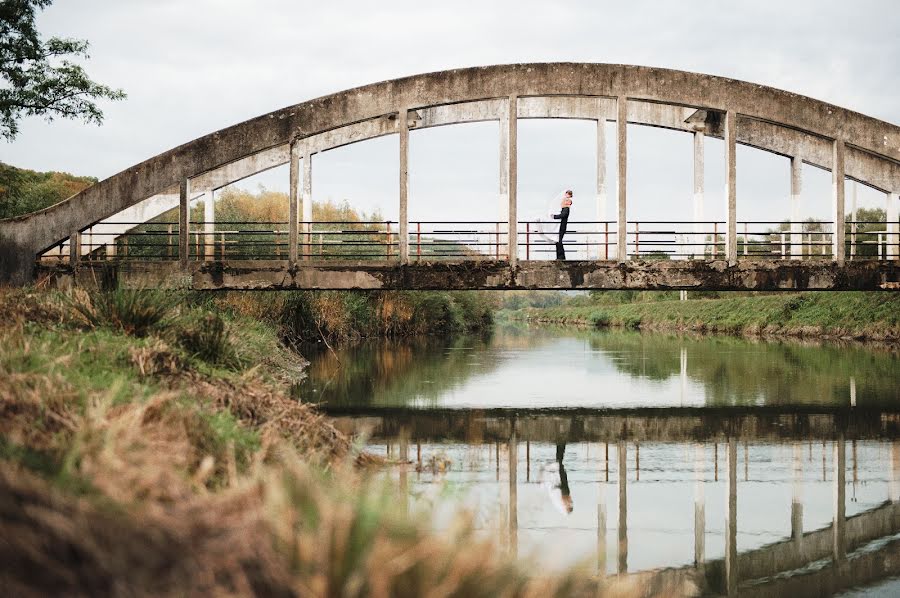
(837, 201)
(512, 177)
(839, 551)
(622, 180)
(699, 183)
(894, 484)
(622, 565)
(602, 250)
(797, 494)
(513, 491)
(731, 553)
(731, 186)
(503, 191)
(893, 228)
(796, 219)
(209, 225)
(306, 207)
(184, 222)
(74, 248)
(294, 204)
(403, 118)
(699, 505)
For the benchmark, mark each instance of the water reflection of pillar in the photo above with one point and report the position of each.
(699, 506)
(527, 460)
(404, 459)
(840, 497)
(601, 520)
(513, 491)
(797, 495)
(637, 462)
(683, 374)
(894, 487)
(731, 554)
(623, 509)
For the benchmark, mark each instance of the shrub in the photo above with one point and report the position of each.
(133, 311)
(208, 339)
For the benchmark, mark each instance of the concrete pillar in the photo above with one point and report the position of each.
(184, 222)
(209, 225)
(294, 204)
(699, 183)
(797, 494)
(622, 180)
(837, 201)
(894, 485)
(893, 228)
(601, 187)
(699, 506)
(839, 551)
(731, 553)
(622, 567)
(513, 491)
(796, 218)
(503, 191)
(731, 186)
(403, 236)
(306, 207)
(74, 248)
(512, 177)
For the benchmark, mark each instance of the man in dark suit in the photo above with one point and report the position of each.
(563, 218)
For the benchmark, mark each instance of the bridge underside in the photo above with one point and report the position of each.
(711, 275)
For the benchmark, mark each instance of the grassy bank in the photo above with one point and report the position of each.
(864, 316)
(148, 447)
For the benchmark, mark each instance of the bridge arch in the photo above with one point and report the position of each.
(806, 130)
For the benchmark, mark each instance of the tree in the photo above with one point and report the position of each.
(36, 76)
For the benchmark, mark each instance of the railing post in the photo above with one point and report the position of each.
(715, 251)
(622, 153)
(637, 239)
(527, 240)
(418, 241)
(731, 186)
(745, 239)
(403, 118)
(497, 241)
(184, 219)
(294, 205)
(606, 240)
(853, 198)
(389, 244)
(222, 247)
(209, 224)
(169, 244)
(837, 175)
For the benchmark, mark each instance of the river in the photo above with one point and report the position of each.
(691, 463)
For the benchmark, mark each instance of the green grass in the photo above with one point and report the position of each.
(874, 316)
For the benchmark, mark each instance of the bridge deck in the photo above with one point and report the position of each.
(753, 275)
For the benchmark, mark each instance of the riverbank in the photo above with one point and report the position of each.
(148, 446)
(860, 316)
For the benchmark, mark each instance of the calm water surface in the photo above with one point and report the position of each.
(698, 465)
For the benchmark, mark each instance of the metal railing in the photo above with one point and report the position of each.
(479, 240)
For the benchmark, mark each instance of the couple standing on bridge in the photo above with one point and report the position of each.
(563, 218)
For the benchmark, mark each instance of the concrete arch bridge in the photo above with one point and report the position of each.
(124, 227)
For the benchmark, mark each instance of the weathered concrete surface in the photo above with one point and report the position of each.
(21, 239)
(714, 275)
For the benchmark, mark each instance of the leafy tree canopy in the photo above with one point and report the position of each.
(36, 76)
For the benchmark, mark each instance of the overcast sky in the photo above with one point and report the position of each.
(191, 67)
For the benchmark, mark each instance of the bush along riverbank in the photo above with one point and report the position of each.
(849, 315)
(148, 447)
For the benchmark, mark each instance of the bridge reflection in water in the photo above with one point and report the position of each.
(786, 501)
